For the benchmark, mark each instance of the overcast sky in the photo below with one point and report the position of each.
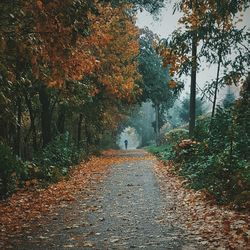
(167, 23)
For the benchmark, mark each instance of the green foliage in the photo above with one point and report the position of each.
(222, 175)
(154, 77)
(176, 135)
(172, 118)
(56, 159)
(108, 141)
(151, 6)
(12, 171)
(155, 80)
(217, 159)
(202, 127)
(163, 152)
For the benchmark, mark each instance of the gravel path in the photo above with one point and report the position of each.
(125, 211)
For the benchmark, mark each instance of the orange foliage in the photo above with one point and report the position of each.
(194, 14)
(108, 52)
(118, 67)
(172, 84)
(172, 59)
(62, 54)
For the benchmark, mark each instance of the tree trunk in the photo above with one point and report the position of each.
(157, 128)
(61, 121)
(18, 128)
(193, 86)
(87, 135)
(143, 135)
(45, 115)
(79, 130)
(216, 87)
(34, 134)
(32, 121)
(18, 68)
(4, 131)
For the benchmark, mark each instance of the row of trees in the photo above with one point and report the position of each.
(209, 34)
(68, 75)
(62, 62)
(58, 57)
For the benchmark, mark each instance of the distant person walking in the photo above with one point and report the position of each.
(126, 144)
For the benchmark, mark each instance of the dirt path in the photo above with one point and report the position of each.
(126, 210)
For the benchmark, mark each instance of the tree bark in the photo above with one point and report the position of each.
(18, 127)
(157, 128)
(4, 130)
(32, 121)
(18, 68)
(61, 121)
(45, 115)
(79, 130)
(87, 135)
(216, 86)
(193, 86)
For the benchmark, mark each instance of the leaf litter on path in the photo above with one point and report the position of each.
(25, 209)
(217, 226)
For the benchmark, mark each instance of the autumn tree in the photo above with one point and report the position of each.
(67, 78)
(151, 6)
(117, 71)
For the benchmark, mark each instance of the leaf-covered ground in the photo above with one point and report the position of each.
(217, 227)
(122, 200)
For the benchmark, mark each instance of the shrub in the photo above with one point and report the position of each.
(202, 127)
(176, 135)
(108, 141)
(55, 160)
(217, 160)
(163, 152)
(215, 173)
(12, 171)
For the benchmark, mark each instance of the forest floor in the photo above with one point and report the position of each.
(121, 200)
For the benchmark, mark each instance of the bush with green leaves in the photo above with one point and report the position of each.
(202, 127)
(222, 176)
(218, 160)
(163, 152)
(12, 171)
(176, 135)
(56, 159)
